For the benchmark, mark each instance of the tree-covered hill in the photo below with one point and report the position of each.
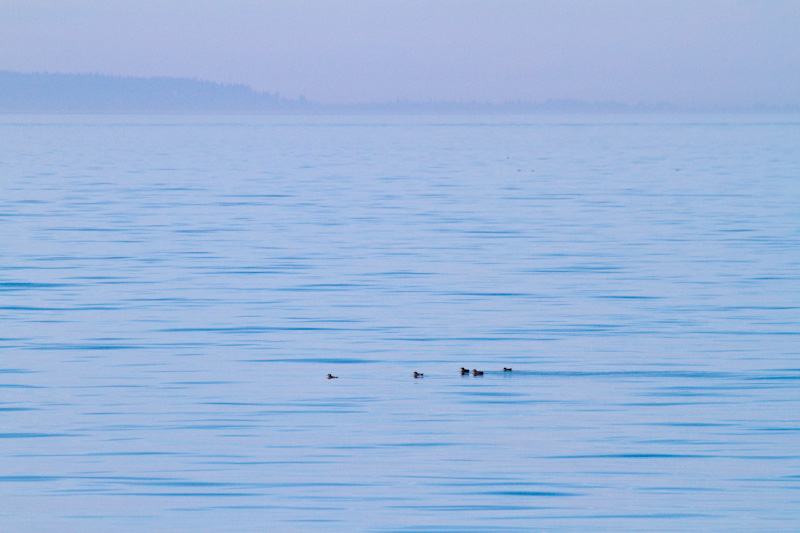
(94, 93)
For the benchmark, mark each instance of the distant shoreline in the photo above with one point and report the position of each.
(96, 94)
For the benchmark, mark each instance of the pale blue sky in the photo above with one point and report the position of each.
(688, 52)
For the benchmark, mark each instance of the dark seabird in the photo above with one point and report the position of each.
(477, 372)
(464, 370)
(331, 376)
(418, 374)
(506, 369)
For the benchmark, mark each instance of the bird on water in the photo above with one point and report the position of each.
(506, 369)
(418, 374)
(331, 376)
(464, 370)
(477, 372)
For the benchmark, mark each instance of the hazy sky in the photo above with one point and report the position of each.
(688, 52)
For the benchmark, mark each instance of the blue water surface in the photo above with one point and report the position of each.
(174, 291)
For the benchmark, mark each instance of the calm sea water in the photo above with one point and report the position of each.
(174, 291)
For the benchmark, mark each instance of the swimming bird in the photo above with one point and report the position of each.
(464, 370)
(418, 374)
(506, 369)
(477, 372)
(331, 376)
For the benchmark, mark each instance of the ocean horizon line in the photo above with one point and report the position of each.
(95, 93)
